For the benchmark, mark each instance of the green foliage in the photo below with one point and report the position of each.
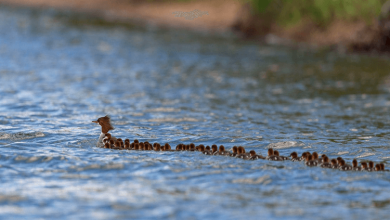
(322, 12)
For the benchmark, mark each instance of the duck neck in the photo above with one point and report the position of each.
(100, 140)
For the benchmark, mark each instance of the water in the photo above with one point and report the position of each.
(60, 71)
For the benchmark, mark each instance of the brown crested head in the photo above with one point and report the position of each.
(127, 140)
(315, 155)
(235, 149)
(382, 166)
(214, 148)
(371, 164)
(108, 135)
(105, 122)
(342, 162)
(207, 147)
(136, 141)
(364, 165)
(270, 152)
(117, 144)
(304, 155)
(136, 146)
(112, 141)
(202, 148)
(252, 152)
(333, 161)
(294, 155)
(178, 147)
(354, 163)
(167, 146)
(157, 147)
(106, 145)
(377, 167)
(141, 146)
(127, 145)
(192, 146)
(276, 153)
(187, 147)
(339, 158)
(309, 158)
(221, 148)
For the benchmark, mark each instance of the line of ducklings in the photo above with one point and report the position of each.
(310, 160)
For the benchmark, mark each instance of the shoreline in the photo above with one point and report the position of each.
(223, 17)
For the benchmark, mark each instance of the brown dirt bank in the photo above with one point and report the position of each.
(225, 16)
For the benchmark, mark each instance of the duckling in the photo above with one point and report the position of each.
(107, 145)
(276, 153)
(377, 167)
(304, 155)
(192, 147)
(136, 141)
(294, 157)
(179, 147)
(112, 144)
(241, 153)
(382, 167)
(325, 163)
(310, 162)
(334, 164)
(364, 166)
(117, 145)
(222, 151)
(370, 166)
(254, 156)
(127, 145)
(214, 149)
(234, 153)
(343, 166)
(157, 147)
(355, 166)
(272, 156)
(201, 148)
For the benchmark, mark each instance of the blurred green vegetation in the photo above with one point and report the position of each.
(321, 12)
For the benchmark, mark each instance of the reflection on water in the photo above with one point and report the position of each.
(59, 72)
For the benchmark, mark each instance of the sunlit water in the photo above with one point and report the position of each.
(59, 73)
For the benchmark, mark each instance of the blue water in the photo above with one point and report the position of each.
(60, 71)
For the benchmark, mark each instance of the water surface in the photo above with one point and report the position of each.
(60, 71)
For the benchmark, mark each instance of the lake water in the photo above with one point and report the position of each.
(60, 71)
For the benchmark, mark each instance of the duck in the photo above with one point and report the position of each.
(377, 167)
(310, 162)
(370, 166)
(294, 157)
(276, 153)
(179, 147)
(214, 149)
(254, 156)
(334, 164)
(382, 167)
(201, 148)
(107, 145)
(364, 166)
(355, 166)
(343, 166)
(325, 163)
(192, 147)
(273, 157)
(105, 123)
(157, 147)
(304, 155)
(234, 151)
(241, 153)
(127, 145)
(222, 151)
